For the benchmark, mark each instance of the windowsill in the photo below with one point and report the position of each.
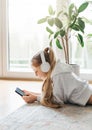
(28, 73)
(21, 70)
(86, 74)
(87, 71)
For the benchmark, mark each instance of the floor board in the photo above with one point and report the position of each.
(9, 100)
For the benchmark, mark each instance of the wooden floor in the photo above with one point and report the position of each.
(9, 100)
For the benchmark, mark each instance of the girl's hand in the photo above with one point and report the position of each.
(27, 93)
(29, 98)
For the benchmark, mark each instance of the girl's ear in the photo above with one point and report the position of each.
(45, 66)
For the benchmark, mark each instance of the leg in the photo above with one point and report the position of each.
(90, 100)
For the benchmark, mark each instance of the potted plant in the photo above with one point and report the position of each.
(60, 31)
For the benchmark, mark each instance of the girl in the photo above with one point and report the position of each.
(60, 84)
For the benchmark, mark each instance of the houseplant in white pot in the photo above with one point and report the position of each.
(60, 31)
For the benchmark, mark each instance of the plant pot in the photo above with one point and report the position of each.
(76, 69)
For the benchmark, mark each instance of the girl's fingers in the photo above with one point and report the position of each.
(26, 92)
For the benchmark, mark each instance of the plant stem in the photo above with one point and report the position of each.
(65, 53)
(67, 47)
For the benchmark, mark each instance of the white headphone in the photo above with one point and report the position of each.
(45, 66)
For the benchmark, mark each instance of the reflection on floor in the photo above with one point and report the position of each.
(9, 100)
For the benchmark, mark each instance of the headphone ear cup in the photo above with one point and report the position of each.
(45, 66)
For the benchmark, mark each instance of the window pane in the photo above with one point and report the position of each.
(26, 37)
(83, 56)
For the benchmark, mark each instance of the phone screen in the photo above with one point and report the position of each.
(20, 92)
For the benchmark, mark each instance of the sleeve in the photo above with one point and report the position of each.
(39, 98)
(81, 95)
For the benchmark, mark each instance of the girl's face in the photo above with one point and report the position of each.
(39, 73)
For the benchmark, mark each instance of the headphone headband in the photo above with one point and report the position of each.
(45, 66)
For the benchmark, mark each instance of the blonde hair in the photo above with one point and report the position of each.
(47, 88)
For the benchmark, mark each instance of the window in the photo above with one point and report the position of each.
(83, 56)
(22, 36)
(25, 36)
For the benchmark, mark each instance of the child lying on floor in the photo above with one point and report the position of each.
(60, 84)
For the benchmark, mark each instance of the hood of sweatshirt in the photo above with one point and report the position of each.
(61, 68)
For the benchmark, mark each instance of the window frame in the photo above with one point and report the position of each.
(1, 39)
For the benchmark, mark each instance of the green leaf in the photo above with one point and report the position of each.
(83, 7)
(73, 22)
(58, 44)
(51, 21)
(56, 34)
(50, 35)
(81, 29)
(71, 10)
(49, 30)
(43, 20)
(75, 27)
(62, 33)
(80, 39)
(81, 24)
(58, 23)
(89, 35)
(50, 10)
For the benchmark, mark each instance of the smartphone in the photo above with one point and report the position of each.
(20, 92)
